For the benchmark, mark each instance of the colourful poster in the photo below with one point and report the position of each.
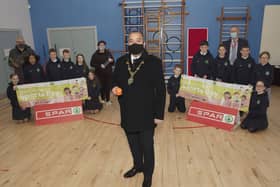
(218, 93)
(52, 92)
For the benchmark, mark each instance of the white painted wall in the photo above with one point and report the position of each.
(14, 14)
(270, 33)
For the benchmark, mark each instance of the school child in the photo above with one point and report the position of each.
(93, 104)
(202, 63)
(264, 71)
(68, 67)
(173, 88)
(33, 70)
(243, 68)
(81, 66)
(53, 67)
(257, 116)
(19, 114)
(222, 68)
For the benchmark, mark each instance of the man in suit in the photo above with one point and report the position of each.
(142, 103)
(234, 44)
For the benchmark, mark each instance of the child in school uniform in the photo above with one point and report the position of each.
(19, 114)
(173, 88)
(33, 70)
(81, 66)
(257, 117)
(93, 104)
(222, 67)
(243, 68)
(68, 67)
(264, 71)
(202, 63)
(53, 67)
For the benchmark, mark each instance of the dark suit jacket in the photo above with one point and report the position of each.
(144, 100)
(241, 43)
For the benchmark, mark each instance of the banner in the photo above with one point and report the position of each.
(52, 92)
(58, 112)
(212, 115)
(218, 93)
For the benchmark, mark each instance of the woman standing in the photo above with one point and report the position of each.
(102, 60)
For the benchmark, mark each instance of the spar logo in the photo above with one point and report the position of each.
(212, 115)
(59, 112)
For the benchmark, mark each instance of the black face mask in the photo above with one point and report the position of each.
(136, 49)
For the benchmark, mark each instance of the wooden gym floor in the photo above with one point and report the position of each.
(90, 153)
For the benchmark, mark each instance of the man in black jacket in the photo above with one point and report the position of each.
(142, 103)
(18, 55)
(234, 44)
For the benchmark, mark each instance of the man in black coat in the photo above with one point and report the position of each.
(234, 44)
(18, 55)
(142, 103)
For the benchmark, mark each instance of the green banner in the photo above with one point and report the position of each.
(52, 92)
(218, 93)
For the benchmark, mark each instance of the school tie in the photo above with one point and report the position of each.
(233, 52)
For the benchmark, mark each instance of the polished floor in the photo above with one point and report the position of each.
(91, 153)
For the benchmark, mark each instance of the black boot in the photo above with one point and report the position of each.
(132, 172)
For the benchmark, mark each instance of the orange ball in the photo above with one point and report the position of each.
(118, 91)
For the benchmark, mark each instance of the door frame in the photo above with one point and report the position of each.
(9, 30)
(70, 29)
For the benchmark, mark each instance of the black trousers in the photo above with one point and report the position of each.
(141, 145)
(106, 81)
(178, 102)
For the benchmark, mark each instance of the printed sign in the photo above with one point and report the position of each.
(218, 93)
(212, 115)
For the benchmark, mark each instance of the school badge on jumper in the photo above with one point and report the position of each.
(249, 65)
(267, 73)
(206, 62)
(258, 102)
(38, 70)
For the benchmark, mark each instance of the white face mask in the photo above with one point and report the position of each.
(203, 53)
(233, 34)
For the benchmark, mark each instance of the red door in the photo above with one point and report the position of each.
(195, 35)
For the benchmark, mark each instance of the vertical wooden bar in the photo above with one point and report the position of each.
(183, 8)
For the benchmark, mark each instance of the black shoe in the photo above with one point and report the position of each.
(147, 183)
(132, 172)
(243, 126)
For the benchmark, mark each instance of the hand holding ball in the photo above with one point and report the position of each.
(117, 91)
